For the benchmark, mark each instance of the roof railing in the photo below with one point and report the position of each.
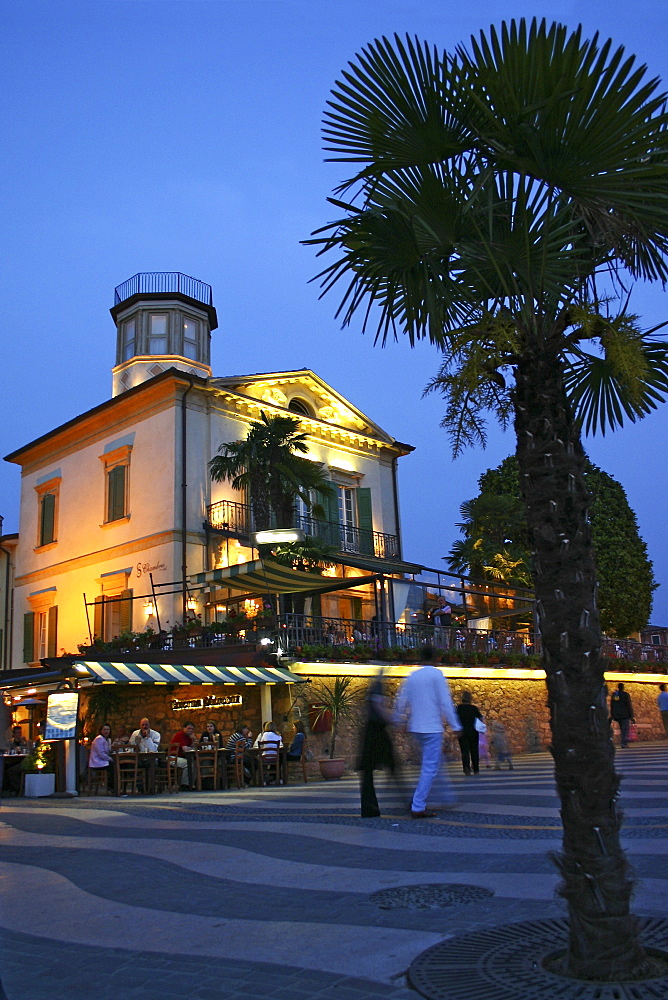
(160, 282)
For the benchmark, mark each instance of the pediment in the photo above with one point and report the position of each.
(304, 388)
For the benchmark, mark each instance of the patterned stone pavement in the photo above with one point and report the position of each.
(286, 893)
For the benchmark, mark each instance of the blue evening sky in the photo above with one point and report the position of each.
(185, 136)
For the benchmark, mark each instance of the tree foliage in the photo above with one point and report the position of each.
(496, 544)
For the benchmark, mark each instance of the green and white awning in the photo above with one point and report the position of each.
(265, 576)
(182, 673)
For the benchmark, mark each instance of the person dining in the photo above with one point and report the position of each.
(18, 744)
(243, 736)
(295, 748)
(184, 739)
(270, 735)
(211, 734)
(146, 740)
(99, 757)
(16, 749)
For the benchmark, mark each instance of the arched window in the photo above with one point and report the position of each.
(299, 406)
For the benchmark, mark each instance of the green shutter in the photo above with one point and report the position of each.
(48, 519)
(331, 505)
(29, 636)
(116, 493)
(52, 636)
(365, 521)
(98, 618)
(125, 623)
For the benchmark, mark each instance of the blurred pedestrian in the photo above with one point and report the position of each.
(500, 746)
(662, 702)
(376, 749)
(469, 714)
(423, 703)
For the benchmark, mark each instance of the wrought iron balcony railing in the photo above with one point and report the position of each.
(236, 519)
(153, 282)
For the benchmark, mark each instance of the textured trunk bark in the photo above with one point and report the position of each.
(596, 882)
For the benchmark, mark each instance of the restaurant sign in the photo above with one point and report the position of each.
(211, 701)
(62, 709)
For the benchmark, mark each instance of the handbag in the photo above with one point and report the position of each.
(480, 726)
(633, 732)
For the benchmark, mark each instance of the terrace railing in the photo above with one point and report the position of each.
(236, 518)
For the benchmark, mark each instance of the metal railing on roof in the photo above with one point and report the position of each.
(153, 282)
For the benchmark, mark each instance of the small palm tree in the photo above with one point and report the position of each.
(268, 464)
(340, 701)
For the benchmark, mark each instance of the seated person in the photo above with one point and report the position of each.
(121, 739)
(242, 735)
(145, 738)
(271, 735)
(295, 748)
(17, 747)
(99, 758)
(184, 738)
(211, 734)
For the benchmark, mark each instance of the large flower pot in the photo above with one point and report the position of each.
(332, 767)
(37, 785)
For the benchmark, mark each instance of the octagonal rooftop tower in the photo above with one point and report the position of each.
(163, 320)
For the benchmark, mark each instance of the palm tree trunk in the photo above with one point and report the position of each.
(596, 882)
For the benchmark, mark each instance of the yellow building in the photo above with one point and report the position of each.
(120, 525)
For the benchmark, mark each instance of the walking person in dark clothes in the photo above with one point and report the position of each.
(376, 748)
(621, 712)
(468, 738)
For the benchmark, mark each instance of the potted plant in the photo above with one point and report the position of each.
(38, 769)
(340, 701)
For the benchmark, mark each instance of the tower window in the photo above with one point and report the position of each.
(190, 331)
(129, 339)
(157, 336)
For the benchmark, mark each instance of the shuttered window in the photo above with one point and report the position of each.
(29, 637)
(365, 521)
(116, 492)
(47, 518)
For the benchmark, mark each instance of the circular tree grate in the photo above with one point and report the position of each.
(505, 963)
(428, 897)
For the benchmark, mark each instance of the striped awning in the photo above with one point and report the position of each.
(265, 576)
(182, 673)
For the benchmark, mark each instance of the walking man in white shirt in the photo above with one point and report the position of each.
(423, 703)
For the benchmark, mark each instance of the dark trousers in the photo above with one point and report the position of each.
(468, 744)
(623, 730)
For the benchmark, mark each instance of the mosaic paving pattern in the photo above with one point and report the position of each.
(285, 892)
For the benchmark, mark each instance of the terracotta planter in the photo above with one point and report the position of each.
(332, 767)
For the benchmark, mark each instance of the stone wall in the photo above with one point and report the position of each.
(519, 704)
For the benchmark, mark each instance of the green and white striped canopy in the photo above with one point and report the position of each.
(182, 673)
(265, 576)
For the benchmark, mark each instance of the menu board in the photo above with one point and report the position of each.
(62, 710)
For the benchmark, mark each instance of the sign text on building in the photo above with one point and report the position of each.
(210, 701)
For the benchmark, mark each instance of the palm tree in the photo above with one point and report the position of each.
(268, 464)
(499, 198)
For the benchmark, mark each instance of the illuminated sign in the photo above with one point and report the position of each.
(62, 709)
(211, 701)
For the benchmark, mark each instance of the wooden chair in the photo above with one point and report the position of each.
(301, 761)
(206, 762)
(128, 774)
(233, 770)
(173, 770)
(161, 775)
(268, 759)
(97, 778)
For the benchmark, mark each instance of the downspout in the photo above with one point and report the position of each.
(395, 495)
(184, 499)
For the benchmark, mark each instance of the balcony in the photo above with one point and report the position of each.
(235, 519)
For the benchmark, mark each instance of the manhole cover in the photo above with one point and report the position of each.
(504, 963)
(428, 897)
